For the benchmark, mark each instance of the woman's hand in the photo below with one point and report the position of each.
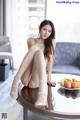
(50, 65)
(51, 84)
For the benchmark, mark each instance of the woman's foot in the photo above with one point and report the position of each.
(44, 107)
(14, 87)
(14, 92)
(51, 84)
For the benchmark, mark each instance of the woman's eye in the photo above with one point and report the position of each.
(49, 31)
(44, 29)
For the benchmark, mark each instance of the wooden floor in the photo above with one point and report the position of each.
(9, 108)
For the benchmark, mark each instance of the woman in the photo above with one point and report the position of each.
(32, 71)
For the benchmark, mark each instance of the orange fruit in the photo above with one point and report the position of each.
(78, 84)
(74, 84)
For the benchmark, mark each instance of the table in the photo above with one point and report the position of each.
(66, 107)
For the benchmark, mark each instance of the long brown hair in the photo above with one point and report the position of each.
(49, 48)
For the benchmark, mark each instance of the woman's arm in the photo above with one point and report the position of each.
(51, 62)
(49, 67)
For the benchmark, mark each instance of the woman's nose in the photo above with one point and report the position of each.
(46, 32)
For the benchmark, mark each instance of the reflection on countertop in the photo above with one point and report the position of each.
(69, 93)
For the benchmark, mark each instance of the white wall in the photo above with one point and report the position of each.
(66, 18)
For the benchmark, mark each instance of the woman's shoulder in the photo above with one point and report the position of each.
(31, 41)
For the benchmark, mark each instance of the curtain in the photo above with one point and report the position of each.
(2, 17)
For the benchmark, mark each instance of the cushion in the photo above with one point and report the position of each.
(69, 69)
(67, 53)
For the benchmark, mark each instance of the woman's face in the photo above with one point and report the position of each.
(45, 32)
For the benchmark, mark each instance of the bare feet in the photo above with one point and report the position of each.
(14, 88)
(14, 92)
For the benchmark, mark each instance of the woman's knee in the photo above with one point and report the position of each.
(39, 57)
(39, 53)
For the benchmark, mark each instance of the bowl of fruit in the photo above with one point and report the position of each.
(70, 84)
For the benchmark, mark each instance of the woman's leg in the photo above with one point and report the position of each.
(20, 74)
(38, 78)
